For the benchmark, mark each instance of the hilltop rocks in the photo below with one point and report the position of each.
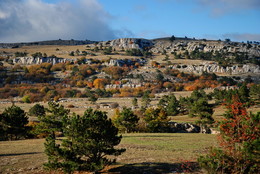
(39, 60)
(214, 68)
(205, 46)
(161, 45)
(128, 43)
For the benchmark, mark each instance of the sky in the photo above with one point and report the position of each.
(100, 20)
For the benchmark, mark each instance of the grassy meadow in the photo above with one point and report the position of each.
(145, 152)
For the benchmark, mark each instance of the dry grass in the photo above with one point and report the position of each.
(63, 51)
(144, 152)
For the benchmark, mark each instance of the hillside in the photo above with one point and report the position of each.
(50, 42)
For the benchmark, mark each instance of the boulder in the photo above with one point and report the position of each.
(183, 127)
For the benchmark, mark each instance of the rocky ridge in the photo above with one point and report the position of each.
(206, 46)
(160, 45)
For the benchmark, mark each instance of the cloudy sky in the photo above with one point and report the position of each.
(36, 20)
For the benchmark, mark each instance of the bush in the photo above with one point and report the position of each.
(26, 99)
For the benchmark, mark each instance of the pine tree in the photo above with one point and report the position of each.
(198, 106)
(170, 104)
(51, 122)
(37, 110)
(13, 123)
(89, 139)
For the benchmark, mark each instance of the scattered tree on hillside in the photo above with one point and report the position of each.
(146, 99)
(170, 104)
(199, 107)
(255, 93)
(125, 120)
(13, 123)
(156, 119)
(37, 110)
(89, 140)
(51, 122)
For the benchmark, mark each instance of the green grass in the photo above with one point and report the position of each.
(145, 152)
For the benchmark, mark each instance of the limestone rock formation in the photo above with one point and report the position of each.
(129, 43)
(214, 68)
(161, 45)
(39, 60)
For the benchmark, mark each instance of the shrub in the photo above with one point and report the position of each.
(239, 150)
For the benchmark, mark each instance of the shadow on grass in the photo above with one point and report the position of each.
(147, 136)
(18, 154)
(157, 168)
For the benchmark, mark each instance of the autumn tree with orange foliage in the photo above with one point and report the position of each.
(239, 138)
(100, 83)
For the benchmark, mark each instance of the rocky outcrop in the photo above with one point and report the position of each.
(187, 128)
(39, 60)
(129, 43)
(122, 62)
(214, 68)
(206, 46)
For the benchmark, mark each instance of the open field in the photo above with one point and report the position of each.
(150, 153)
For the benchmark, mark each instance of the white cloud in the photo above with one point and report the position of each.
(34, 20)
(221, 7)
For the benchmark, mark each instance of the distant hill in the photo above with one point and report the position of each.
(159, 45)
(50, 42)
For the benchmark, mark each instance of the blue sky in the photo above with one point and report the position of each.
(31, 20)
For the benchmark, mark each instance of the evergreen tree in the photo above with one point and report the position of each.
(243, 93)
(13, 123)
(146, 99)
(89, 139)
(126, 120)
(170, 104)
(199, 107)
(37, 110)
(255, 93)
(51, 122)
